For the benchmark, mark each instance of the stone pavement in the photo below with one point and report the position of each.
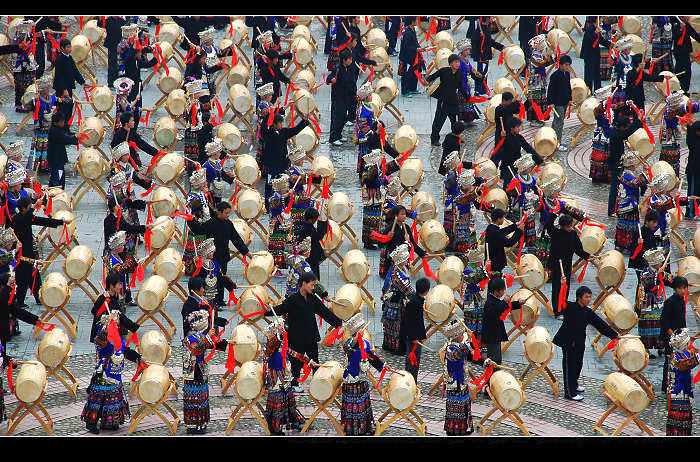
(543, 413)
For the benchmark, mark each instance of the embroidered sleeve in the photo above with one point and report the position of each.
(401, 283)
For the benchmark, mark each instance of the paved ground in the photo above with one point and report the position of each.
(543, 413)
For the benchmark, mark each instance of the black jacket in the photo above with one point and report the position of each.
(527, 28)
(413, 324)
(693, 143)
(572, 333)
(132, 69)
(450, 83)
(125, 324)
(509, 151)
(672, 316)
(274, 74)
(121, 135)
(300, 313)
(449, 144)
(504, 112)
(191, 27)
(274, 155)
(399, 238)
(67, 74)
(22, 224)
(685, 46)
(650, 242)
(317, 233)
(222, 231)
(192, 304)
(113, 25)
(110, 227)
(345, 86)
(59, 137)
(264, 23)
(559, 89)
(497, 243)
(486, 43)
(635, 90)
(494, 330)
(588, 51)
(617, 142)
(564, 245)
(6, 310)
(409, 47)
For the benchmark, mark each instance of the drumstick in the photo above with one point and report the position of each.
(555, 112)
(639, 228)
(426, 347)
(503, 127)
(661, 57)
(394, 225)
(505, 367)
(561, 268)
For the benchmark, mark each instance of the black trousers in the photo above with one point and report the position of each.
(591, 73)
(683, 65)
(223, 265)
(493, 352)
(351, 111)
(506, 175)
(23, 275)
(391, 30)
(442, 112)
(479, 87)
(409, 81)
(339, 111)
(556, 283)
(112, 64)
(408, 366)
(67, 108)
(693, 189)
(40, 57)
(612, 195)
(667, 352)
(572, 363)
(328, 44)
(315, 267)
(311, 350)
(58, 170)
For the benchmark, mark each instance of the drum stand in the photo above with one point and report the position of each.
(266, 284)
(87, 71)
(518, 329)
(490, 127)
(594, 343)
(580, 131)
(88, 184)
(512, 415)
(506, 32)
(417, 267)
(227, 379)
(379, 75)
(334, 256)
(540, 369)
(299, 67)
(514, 76)
(155, 252)
(175, 287)
(61, 249)
(652, 113)
(7, 71)
(238, 117)
(540, 296)
(605, 292)
(441, 379)
(316, 190)
(409, 191)
(259, 229)
(92, 294)
(323, 407)
(29, 408)
(177, 118)
(247, 405)
(154, 72)
(638, 376)
(408, 414)
(393, 110)
(57, 312)
(435, 327)
(147, 409)
(24, 122)
(2, 133)
(631, 417)
(367, 297)
(54, 371)
(349, 233)
(677, 239)
(152, 315)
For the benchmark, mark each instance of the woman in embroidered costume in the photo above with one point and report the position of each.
(473, 297)
(131, 52)
(650, 299)
(15, 152)
(670, 132)
(661, 43)
(365, 124)
(123, 87)
(200, 336)
(460, 199)
(200, 206)
(537, 76)
(356, 409)
(193, 119)
(301, 202)
(466, 109)
(524, 199)
(622, 64)
(680, 399)
(205, 66)
(665, 205)
(399, 234)
(297, 265)
(458, 403)
(386, 219)
(265, 105)
(606, 32)
(600, 147)
(25, 65)
(214, 166)
(43, 107)
(395, 293)
(280, 222)
(629, 190)
(118, 263)
(209, 270)
(371, 183)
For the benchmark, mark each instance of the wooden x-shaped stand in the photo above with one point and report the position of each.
(175, 287)
(323, 407)
(155, 252)
(88, 184)
(227, 379)
(299, 67)
(154, 72)
(334, 255)
(30, 408)
(2, 133)
(417, 264)
(152, 315)
(435, 327)
(408, 414)
(657, 109)
(93, 292)
(490, 127)
(638, 376)
(27, 117)
(238, 117)
(245, 405)
(580, 131)
(59, 313)
(255, 225)
(393, 110)
(605, 291)
(6, 70)
(515, 75)
(601, 350)
(266, 284)
(62, 249)
(381, 74)
(366, 296)
(539, 369)
(409, 191)
(631, 417)
(580, 261)
(540, 296)
(317, 189)
(518, 330)
(505, 32)
(148, 409)
(72, 387)
(87, 71)
(441, 378)
(349, 233)
(677, 239)
(512, 415)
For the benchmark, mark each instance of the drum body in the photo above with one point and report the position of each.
(376, 38)
(243, 230)
(246, 346)
(59, 198)
(176, 102)
(377, 105)
(443, 39)
(79, 262)
(538, 344)
(496, 197)
(506, 390)
(626, 391)
(53, 348)
(696, 242)
(238, 74)
(638, 45)
(565, 23)
(545, 142)
(3, 123)
(323, 167)
(592, 239)
(239, 97)
(247, 169)
(167, 202)
(80, 48)
(579, 90)
(94, 130)
(30, 382)
(552, 171)
(260, 268)
(102, 99)
(340, 208)
(485, 168)
(304, 101)
(631, 353)
(423, 203)
(302, 50)
(248, 302)
(58, 235)
(307, 139)
(441, 58)
(230, 136)
(54, 290)
(611, 270)
(165, 132)
(170, 81)
(169, 32)
(91, 163)
(305, 79)
(491, 106)
(169, 264)
(381, 57)
(450, 272)
(154, 383)
(332, 241)
(301, 31)
(154, 347)
(401, 390)
(162, 232)
(585, 111)
(514, 58)
(411, 172)
(29, 96)
(239, 33)
(531, 309)
(531, 271)
(503, 85)
(152, 292)
(248, 382)
(432, 235)
(386, 89)
(639, 141)
(405, 139)
(355, 267)
(439, 303)
(664, 167)
(249, 204)
(619, 312)
(326, 379)
(557, 37)
(631, 24)
(349, 301)
(506, 21)
(689, 268)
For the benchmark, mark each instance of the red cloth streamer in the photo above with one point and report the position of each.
(414, 230)
(9, 372)
(232, 298)
(141, 367)
(315, 124)
(695, 206)
(477, 350)
(12, 294)
(45, 328)
(538, 112)
(381, 377)
(49, 206)
(561, 305)
(488, 90)
(250, 315)
(383, 238)
(510, 279)
(133, 338)
(506, 312)
(636, 251)
(426, 269)
(639, 78)
(308, 185)
(80, 115)
(500, 58)
(36, 268)
(611, 344)
(583, 272)
(186, 216)
(139, 272)
(235, 192)
(149, 190)
(522, 113)
(231, 358)
(289, 204)
(498, 146)
(307, 371)
(325, 190)
(161, 60)
(660, 287)
(483, 378)
(285, 348)
(113, 335)
(597, 37)
(103, 308)
(361, 343)
(412, 356)
(680, 40)
(333, 336)
(37, 106)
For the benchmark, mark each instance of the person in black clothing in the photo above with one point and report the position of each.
(300, 309)
(59, 138)
(391, 30)
(66, 74)
(113, 25)
(270, 70)
(451, 143)
(692, 169)
(128, 133)
(407, 58)
(559, 96)
(527, 29)
(619, 132)
(682, 49)
(22, 224)
(197, 301)
(494, 330)
(44, 23)
(261, 24)
(132, 58)
(482, 44)
(508, 108)
(114, 289)
(343, 91)
(649, 240)
(358, 56)
(315, 229)
(206, 135)
(510, 150)
(446, 93)
(565, 242)
(400, 233)
(413, 327)
(672, 319)
(192, 26)
(497, 241)
(590, 52)
(634, 87)
(112, 223)
(571, 337)
(6, 310)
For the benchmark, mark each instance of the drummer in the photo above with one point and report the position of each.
(650, 301)
(680, 407)
(650, 239)
(123, 87)
(264, 106)
(201, 207)
(673, 318)
(524, 195)
(451, 143)
(371, 182)
(46, 103)
(280, 222)
(497, 240)
(467, 111)
(396, 291)
(113, 223)
(296, 263)
(66, 75)
(600, 147)
(205, 66)
(132, 58)
(510, 151)
(194, 119)
(494, 330)
(130, 206)
(121, 263)
(460, 197)
(269, 70)
(474, 280)
(110, 301)
(128, 134)
(59, 138)
(390, 194)
(537, 65)
(634, 78)
(315, 229)
(365, 124)
(670, 132)
(629, 192)
(413, 327)
(399, 233)
(483, 53)
(208, 269)
(214, 166)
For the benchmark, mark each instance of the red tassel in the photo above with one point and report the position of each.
(509, 280)
(506, 312)
(36, 268)
(37, 106)
(583, 272)
(186, 216)
(113, 335)
(149, 190)
(412, 356)
(500, 58)
(103, 308)
(326, 190)
(523, 114)
(231, 359)
(290, 203)
(426, 269)
(198, 266)
(636, 251)
(562, 297)
(307, 371)
(383, 238)
(697, 210)
(9, 377)
(315, 124)
(611, 344)
(488, 90)
(414, 230)
(696, 379)
(680, 40)
(498, 146)
(485, 377)
(49, 206)
(361, 343)
(232, 298)
(235, 192)
(333, 336)
(381, 377)
(477, 350)
(45, 328)
(285, 349)
(141, 367)
(139, 272)
(597, 37)
(133, 338)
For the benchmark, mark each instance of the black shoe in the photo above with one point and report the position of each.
(652, 355)
(370, 247)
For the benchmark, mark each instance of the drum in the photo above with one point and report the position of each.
(249, 204)
(58, 235)
(365, 335)
(239, 97)
(238, 74)
(514, 58)
(545, 142)
(439, 303)
(355, 267)
(333, 239)
(327, 378)
(3, 123)
(305, 79)
(248, 382)
(689, 268)
(246, 346)
(638, 45)
(639, 141)
(443, 39)
(631, 24)
(304, 101)
(323, 167)
(54, 290)
(506, 21)
(302, 51)
(165, 133)
(246, 169)
(592, 239)
(386, 89)
(376, 38)
(696, 242)
(79, 262)
(585, 111)
(491, 106)
(424, 205)
(565, 23)
(450, 272)
(172, 81)
(349, 301)
(673, 83)
(154, 383)
(506, 390)
(237, 31)
(432, 235)
(101, 99)
(411, 172)
(169, 264)
(551, 171)
(154, 347)
(340, 209)
(165, 202)
(528, 303)
(169, 32)
(80, 48)
(502, 85)
(401, 390)
(441, 58)
(59, 198)
(496, 197)
(162, 232)
(531, 272)
(260, 268)
(538, 344)
(304, 20)
(230, 136)
(631, 353)
(579, 90)
(381, 57)
(307, 139)
(152, 292)
(29, 96)
(664, 167)
(557, 37)
(225, 43)
(94, 130)
(243, 230)
(301, 31)
(169, 168)
(53, 348)
(31, 381)
(485, 168)
(611, 269)
(176, 104)
(619, 312)
(626, 391)
(249, 304)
